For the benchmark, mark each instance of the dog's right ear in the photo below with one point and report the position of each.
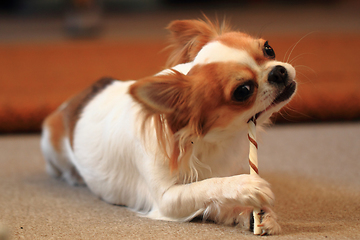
(189, 36)
(162, 93)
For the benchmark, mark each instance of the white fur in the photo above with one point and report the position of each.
(114, 162)
(218, 52)
(119, 166)
(59, 165)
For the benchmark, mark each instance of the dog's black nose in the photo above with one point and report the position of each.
(278, 75)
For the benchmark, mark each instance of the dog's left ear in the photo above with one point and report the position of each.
(189, 36)
(163, 93)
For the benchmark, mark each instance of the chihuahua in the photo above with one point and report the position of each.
(170, 146)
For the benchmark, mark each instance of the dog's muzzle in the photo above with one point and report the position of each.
(279, 76)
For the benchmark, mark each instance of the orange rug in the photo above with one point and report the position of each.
(38, 77)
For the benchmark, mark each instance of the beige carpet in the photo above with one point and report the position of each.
(313, 169)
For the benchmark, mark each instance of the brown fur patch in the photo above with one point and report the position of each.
(62, 122)
(215, 84)
(55, 125)
(76, 104)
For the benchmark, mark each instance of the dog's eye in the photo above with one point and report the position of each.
(268, 51)
(243, 92)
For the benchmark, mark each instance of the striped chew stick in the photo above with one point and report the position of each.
(253, 162)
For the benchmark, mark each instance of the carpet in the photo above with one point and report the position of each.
(313, 170)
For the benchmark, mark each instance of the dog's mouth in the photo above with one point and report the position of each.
(283, 96)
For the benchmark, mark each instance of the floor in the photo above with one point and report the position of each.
(313, 170)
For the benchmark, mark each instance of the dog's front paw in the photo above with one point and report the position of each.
(269, 225)
(256, 192)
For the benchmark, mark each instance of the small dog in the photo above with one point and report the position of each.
(170, 146)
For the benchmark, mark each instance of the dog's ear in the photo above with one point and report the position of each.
(189, 36)
(162, 93)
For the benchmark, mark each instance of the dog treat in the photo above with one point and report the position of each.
(253, 163)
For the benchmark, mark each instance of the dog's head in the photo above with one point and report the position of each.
(232, 78)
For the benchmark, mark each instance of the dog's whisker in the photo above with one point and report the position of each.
(286, 53)
(288, 110)
(306, 67)
(305, 76)
(292, 61)
(292, 49)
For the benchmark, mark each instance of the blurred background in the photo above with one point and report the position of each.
(52, 49)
